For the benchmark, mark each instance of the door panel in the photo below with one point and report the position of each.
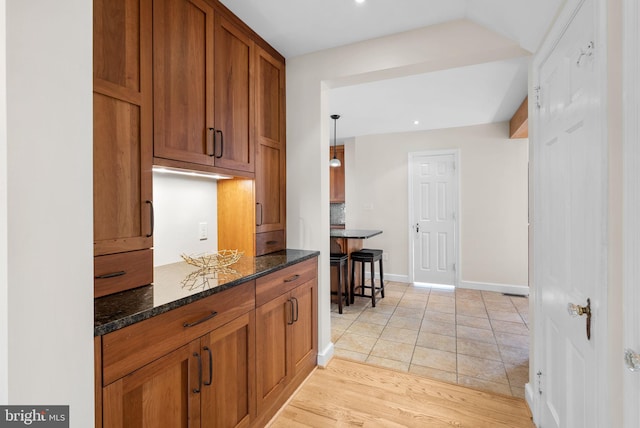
(233, 97)
(183, 80)
(435, 195)
(303, 330)
(570, 223)
(159, 395)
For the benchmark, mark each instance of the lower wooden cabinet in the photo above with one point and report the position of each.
(232, 370)
(286, 336)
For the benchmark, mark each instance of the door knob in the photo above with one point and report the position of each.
(577, 310)
(632, 360)
(417, 226)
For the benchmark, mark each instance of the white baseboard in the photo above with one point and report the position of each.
(521, 290)
(529, 398)
(389, 277)
(325, 356)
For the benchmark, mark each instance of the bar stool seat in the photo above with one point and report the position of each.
(367, 255)
(341, 261)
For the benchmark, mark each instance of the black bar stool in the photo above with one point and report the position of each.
(367, 256)
(341, 261)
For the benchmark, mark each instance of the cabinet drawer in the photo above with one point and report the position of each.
(130, 348)
(282, 281)
(269, 242)
(118, 272)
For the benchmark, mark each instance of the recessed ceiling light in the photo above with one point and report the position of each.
(416, 122)
(359, 1)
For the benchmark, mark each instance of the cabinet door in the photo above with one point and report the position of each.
(234, 142)
(336, 177)
(122, 126)
(228, 394)
(183, 80)
(162, 394)
(303, 340)
(272, 320)
(270, 157)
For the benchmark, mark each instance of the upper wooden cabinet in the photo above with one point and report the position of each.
(122, 142)
(203, 96)
(336, 176)
(270, 153)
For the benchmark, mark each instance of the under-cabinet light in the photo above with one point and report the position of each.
(211, 175)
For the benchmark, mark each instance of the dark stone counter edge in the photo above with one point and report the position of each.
(100, 330)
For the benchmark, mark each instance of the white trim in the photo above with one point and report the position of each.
(521, 290)
(326, 355)
(631, 208)
(4, 284)
(529, 395)
(458, 167)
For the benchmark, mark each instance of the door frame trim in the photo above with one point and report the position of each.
(456, 228)
(601, 327)
(631, 204)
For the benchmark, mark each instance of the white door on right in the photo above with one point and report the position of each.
(434, 198)
(569, 225)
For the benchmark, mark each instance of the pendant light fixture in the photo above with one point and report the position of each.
(335, 162)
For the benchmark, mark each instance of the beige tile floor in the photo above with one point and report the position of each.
(474, 338)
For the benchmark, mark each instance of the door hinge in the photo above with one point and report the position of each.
(537, 91)
(585, 53)
(454, 267)
(539, 374)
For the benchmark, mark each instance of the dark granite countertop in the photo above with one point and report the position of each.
(172, 288)
(353, 233)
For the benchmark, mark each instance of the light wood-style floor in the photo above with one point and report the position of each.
(348, 393)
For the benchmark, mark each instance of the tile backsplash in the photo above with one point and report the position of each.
(337, 214)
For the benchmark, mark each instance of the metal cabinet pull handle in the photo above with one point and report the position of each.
(151, 219)
(197, 390)
(290, 312)
(272, 242)
(206, 348)
(111, 275)
(296, 311)
(259, 206)
(200, 321)
(213, 146)
(217, 131)
(293, 278)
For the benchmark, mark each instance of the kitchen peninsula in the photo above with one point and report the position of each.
(346, 241)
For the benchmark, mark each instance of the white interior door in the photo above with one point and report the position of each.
(569, 232)
(631, 215)
(435, 195)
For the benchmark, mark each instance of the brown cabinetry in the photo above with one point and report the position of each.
(286, 332)
(203, 96)
(270, 153)
(122, 142)
(336, 177)
(177, 376)
(252, 214)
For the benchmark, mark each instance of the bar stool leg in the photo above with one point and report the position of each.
(345, 275)
(340, 289)
(373, 284)
(353, 282)
(381, 280)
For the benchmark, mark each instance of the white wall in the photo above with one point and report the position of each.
(180, 204)
(453, 44)
(493, 198)
(4, 330)
(50, 219)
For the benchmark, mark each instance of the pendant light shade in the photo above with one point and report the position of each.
(335, 162)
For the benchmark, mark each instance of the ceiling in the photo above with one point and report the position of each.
(476, 94)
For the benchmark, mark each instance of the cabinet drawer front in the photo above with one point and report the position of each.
(118, 272)
(285, 280)
(130, 348)
(269, 242)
